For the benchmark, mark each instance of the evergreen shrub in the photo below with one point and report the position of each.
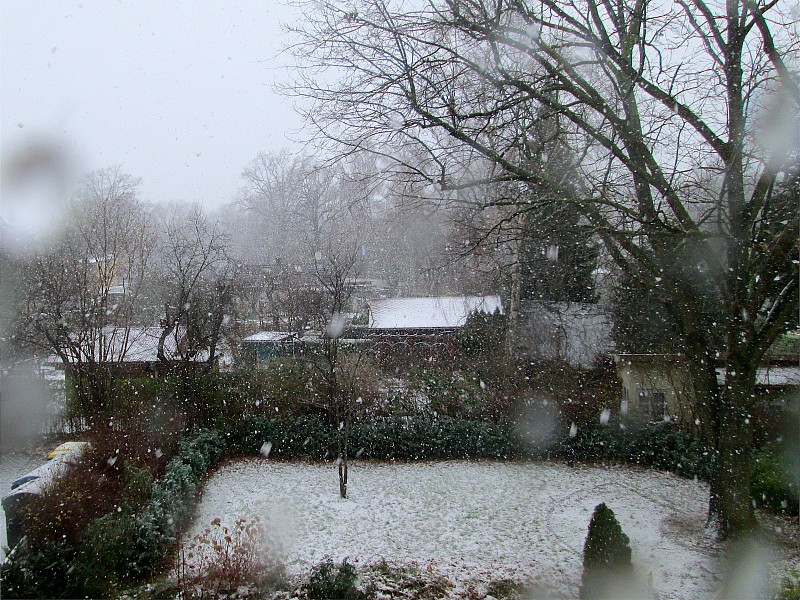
(48, 571)
(606, 556)
(663, 446)
(771, 486)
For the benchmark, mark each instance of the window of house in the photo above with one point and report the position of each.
(652, 403)
(624, 403)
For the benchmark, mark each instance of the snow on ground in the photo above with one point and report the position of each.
(473, 521)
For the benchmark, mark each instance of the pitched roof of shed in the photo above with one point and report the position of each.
(428, 313)
(271, 336)
(135, 344)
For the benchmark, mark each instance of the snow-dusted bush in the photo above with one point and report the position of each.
(131, 546)
(173, 495)
(222, 559)
(790, 586)
(607, 567)
(45, 572)
(117, 548)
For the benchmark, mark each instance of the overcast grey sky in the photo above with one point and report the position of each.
(178, 93)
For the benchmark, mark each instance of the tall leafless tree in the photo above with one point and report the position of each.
(296, 201)
(83, 295)
(652, 97)
(197, 284)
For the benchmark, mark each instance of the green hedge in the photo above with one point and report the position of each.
(771, 486)
(122, 548)
(118, 548)
(662, 446)
(215, 400)
(386, 438)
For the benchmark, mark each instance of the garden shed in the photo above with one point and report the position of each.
(132, 352)
(260, 348)
(423, 328)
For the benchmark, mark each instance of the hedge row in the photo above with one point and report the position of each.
(662, 446)
(120, 547)
(131, 545)
(772, 487)
(389, 438)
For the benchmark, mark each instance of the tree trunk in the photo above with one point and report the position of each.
(343, 475)
(93, 391)
(516, 290)
(730, 506)
(344, 441)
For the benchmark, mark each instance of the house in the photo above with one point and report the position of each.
(574, 333)
(777, 385)
(658, 386)
(423, 328)
(654, 386)
(260, 348)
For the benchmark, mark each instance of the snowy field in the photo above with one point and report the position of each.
(474, 521)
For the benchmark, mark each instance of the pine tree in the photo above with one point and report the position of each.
(606, 556)
(642, 325)
(557, 257)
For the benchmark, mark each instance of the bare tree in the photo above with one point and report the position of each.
(649, 95)
(83, 296)
(334, 269)
(197, 286)
(296, 201)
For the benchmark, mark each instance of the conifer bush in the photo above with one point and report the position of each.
(606, 556)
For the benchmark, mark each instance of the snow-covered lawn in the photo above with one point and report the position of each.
(474, 521)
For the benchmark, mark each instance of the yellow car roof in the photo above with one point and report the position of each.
(67, 448)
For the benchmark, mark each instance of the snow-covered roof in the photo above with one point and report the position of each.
(270, 336)
(142, 344)
(428, 313)
(137, 344)
(771, 376)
